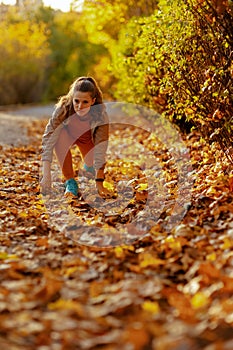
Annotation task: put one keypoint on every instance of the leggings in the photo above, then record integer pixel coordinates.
(63, 152)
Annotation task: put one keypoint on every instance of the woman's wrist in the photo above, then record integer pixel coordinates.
(46, 169)
(99, 174)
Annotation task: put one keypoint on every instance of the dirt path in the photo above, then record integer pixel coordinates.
(13, 122)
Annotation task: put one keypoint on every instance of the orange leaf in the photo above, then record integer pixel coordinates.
(42, 242)
(137, 336)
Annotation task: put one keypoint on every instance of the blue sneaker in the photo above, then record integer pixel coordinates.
(89, 169)
(71, 187)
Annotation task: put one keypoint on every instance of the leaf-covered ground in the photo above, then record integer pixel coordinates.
(166, 291)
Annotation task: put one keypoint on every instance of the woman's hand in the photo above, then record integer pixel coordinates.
(103, 192)
(45, 184)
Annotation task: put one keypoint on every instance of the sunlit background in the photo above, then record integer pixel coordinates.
(56, 4)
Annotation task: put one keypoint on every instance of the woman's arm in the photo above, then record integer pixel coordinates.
(51, 133)
(49, 140)
(45, 182)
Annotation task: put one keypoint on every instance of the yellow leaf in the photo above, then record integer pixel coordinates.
(63, 304)
(23, 214)
(40, 206)
(211, 257)
(152, 307)
(71, 270)
(129, 247)
(199, 300)
(108, 185)
(119, 252)
(169, 239)
(5, 256)
(149, 260)
(176, 246)
(227, 244)
(142, 187)
(173, 244)
(211, 191)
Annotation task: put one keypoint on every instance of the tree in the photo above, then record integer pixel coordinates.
(103, 22)
(23, 60)
(72, 54)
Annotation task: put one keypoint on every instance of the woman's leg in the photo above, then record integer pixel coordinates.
(63, 153)
(87, 152)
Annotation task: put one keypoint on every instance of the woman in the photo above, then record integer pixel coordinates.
(79, 118)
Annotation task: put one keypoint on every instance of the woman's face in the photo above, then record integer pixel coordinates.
(82, 102)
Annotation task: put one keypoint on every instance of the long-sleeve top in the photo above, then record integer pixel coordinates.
(99, 125)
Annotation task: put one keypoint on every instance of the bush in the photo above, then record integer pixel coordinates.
(179, 61)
